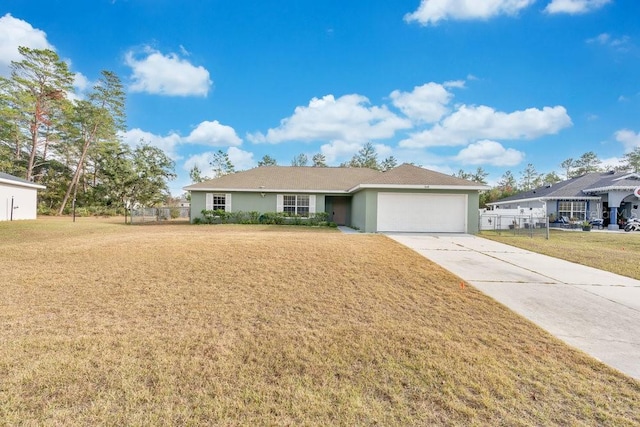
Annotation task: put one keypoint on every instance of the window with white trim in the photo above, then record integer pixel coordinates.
(218, 201)
(573, 209)
(297, 204)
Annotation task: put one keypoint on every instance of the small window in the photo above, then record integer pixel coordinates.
(218, 201)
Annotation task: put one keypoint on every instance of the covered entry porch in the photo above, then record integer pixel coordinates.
(339, 209)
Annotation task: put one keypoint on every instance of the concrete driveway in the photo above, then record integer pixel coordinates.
(590, 309)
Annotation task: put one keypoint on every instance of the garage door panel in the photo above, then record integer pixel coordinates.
(422, 212)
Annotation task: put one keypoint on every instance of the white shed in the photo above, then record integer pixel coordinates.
(18, 198)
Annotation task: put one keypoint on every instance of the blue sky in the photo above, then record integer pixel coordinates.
(446, 84)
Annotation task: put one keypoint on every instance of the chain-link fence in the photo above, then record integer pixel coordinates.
(163, 214)
(533, 224)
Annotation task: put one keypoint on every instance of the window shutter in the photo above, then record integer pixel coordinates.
(279, 203)
(209, 202)
(312, 203)
(227, 202)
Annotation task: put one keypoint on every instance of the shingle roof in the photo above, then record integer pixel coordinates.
(338, 179)
(576, 187)
(18, 181)
(407, 174)
(295, 178)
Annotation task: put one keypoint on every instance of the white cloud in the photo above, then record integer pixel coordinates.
(81, 82)
(81, 85)
(167, 74)
(14, 33)
(383, 151)
(339, 150)
(201, 161)
(213, 134)
(471, 123)
(349, 117)
(206, 133)
(600, 39)
(574, 6)
(459, 84)
(628, 138)
(426, 103)
(168, 143)
(621, 44)
(240, 159)
(488, 152)
(611, 163)
(433, 11)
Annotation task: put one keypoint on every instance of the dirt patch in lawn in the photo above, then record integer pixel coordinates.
(102, 323)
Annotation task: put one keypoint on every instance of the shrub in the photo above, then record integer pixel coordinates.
(217, 216)
(271, 218)
(45, 210)
(254, 217)
(83, 212)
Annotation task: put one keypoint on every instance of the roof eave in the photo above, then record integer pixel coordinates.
(532, 199)
(419, 187)
(610, 188)
(543, 199)
(263, 190)
(22, 184)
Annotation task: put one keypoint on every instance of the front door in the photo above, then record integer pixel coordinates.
(339, 210)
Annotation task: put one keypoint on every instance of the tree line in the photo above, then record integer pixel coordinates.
(366, 157)
(508, 185)
(530, 178)
(70, 143)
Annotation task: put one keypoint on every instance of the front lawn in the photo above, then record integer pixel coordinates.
(614, 252)
(103, 323)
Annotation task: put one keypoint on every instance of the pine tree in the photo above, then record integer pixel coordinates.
(221, 164)
(300, 160)
(319, 161)
(267, 160)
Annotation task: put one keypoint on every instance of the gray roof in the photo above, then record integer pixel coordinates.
(407, 174)
(586, 186)
(5, 177)
(329, 179)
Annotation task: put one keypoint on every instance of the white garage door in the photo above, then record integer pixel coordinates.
(419, 212)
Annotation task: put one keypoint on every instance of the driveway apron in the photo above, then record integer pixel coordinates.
(595, 311)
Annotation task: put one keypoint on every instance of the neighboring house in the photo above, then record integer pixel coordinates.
(603, 195)
(406, 198)
(18, 198)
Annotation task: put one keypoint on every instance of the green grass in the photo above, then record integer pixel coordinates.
(614, 252)
(107, 324)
